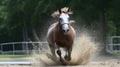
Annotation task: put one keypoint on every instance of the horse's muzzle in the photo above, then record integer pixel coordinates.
(65, 31)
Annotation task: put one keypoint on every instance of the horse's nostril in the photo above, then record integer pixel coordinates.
(63, 30)
(68, 30)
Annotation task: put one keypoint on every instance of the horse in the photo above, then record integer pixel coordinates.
(61, 34)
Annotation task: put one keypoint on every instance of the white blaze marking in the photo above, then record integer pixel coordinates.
(65, 27)
(65, 21)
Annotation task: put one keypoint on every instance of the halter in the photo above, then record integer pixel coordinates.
(65, 23)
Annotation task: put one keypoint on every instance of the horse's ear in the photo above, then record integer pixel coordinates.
(60, 11)
(69, 11)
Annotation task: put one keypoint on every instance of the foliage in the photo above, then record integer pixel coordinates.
(18, 18)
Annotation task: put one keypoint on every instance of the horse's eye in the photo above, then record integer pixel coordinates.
(60, 19)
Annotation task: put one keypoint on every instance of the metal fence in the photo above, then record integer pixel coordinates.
(42, 47)
(114, 45)
(23, 47)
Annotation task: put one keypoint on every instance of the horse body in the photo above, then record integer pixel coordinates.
(55, 35)
(61, 34)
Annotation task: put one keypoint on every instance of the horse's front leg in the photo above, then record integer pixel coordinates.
(61, 59)
(52, 49)
(68, 54)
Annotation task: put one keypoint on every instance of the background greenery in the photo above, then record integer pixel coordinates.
(23, 20)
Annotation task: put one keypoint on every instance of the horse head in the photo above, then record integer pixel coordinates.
(63, 15)
(64, 19)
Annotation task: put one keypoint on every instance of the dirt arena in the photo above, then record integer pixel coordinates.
(96, 61)
(85, 54)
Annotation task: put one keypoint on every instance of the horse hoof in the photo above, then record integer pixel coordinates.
(63, 62)
(67, 58)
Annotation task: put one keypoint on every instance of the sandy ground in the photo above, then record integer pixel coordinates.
(95, 61)
(83, 55)
(101, 61)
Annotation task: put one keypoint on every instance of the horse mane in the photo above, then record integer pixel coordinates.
(64, 10)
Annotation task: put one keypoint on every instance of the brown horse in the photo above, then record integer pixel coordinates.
(61, 34)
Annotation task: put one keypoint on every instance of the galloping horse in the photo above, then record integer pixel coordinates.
(61, 34)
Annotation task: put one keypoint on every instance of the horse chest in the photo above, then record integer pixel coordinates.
(63, 41)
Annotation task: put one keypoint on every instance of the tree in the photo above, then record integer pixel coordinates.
(29, 17)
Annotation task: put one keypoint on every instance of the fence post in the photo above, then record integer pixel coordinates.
(27, 48)
(1, 49)
(13, 48)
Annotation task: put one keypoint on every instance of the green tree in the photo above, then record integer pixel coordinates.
(27, 18)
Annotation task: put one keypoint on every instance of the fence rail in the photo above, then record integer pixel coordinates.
(15, 63)
(113, 47)
(24, 47)
(42, 47)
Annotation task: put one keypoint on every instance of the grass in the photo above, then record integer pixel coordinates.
(13, 56)
(116, 54)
